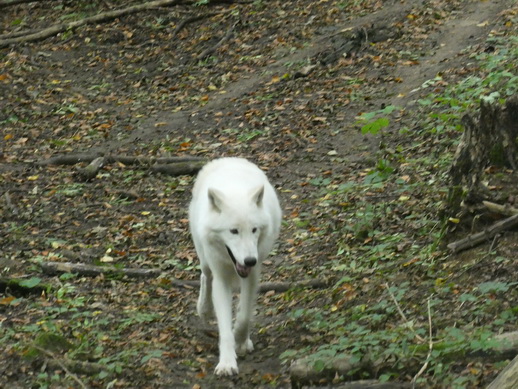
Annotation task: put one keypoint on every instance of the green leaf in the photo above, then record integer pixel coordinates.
(30, 283)
(375, 126)
(493, 286)
(152, 354)
(319, 365)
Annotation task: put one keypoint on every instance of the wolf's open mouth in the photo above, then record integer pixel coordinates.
(242, 271)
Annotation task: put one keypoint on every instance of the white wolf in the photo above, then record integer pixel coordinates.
(234, 219)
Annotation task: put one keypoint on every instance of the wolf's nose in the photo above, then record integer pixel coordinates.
(250, 261)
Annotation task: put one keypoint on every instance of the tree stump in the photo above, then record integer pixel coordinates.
(490, 138)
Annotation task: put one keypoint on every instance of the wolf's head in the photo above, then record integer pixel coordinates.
(240, 226)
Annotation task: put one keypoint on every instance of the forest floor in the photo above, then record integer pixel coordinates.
(352, 109)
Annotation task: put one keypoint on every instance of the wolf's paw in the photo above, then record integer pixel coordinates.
(226, 368)
(245, 347)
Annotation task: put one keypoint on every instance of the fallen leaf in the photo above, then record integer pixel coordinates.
(7, 300)
(106, 259)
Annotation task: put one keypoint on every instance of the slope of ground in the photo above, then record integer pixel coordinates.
(285, 88)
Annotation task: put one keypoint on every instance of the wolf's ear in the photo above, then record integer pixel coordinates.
(258, 195)
(216, 199)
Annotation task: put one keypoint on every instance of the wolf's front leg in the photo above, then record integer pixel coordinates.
(205, 307)
(222, 300)
(245, 312)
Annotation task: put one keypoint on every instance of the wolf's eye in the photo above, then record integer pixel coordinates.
(234, 231)
(254, 230)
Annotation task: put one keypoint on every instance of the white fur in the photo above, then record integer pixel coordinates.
(234, 206)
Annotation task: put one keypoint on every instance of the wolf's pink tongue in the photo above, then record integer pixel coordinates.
(243, 271)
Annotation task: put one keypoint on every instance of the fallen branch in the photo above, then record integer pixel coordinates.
(505, 210)
(93, 271)
(508, 378)
(476, 239)
(143, 161)
(75, 158)
(179, 168)
(8, 3)
(173, 166)
(278, 287)
(69, 159)
(92, 169)
(99, 18)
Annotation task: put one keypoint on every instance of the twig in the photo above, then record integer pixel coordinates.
(207, 52)
(430, 346)
(407, 322)
(62, 365)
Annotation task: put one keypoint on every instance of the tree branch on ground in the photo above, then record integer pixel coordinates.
(99, 18)
(508, 378)
(92, 169)
(74, 158)
(173, 166)
(93, 271)
(484, 236)
(8, 3)
(505, 210)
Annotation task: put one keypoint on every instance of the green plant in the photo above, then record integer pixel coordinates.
(373, 122)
